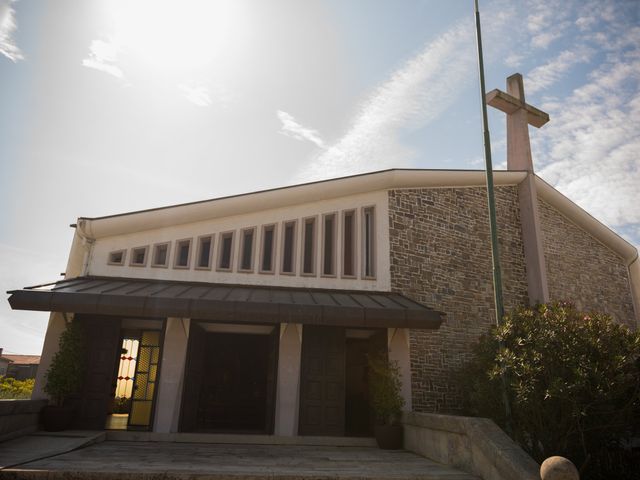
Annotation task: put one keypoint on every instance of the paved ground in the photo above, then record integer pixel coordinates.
(39, 445)
(154, 460)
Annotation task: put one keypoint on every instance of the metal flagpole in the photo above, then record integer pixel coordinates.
(495, 254)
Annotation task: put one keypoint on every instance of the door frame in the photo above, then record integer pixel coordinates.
(138, 331)
(271, 406)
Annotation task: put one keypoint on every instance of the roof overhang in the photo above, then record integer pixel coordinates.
(286, 196)
(226, 303)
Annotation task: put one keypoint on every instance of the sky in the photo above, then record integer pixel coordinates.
(109, 106)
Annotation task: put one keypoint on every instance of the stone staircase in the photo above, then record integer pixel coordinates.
(212, 457)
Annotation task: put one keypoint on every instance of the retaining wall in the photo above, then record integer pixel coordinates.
(19, 417)
(474, 445)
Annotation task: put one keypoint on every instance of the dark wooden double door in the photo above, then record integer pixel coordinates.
(230, 382)
(334, 397)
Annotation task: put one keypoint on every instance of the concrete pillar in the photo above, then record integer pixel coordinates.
(288, 389)
(399, 351)
(535, 265)
(56, 326)
(174, 355)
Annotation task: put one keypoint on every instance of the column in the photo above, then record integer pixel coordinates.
(56, 326)
(399, 351)
(288, 390)
(174, 355)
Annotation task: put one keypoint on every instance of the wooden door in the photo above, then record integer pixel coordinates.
(193, 377)
(233, 395)
(102, 340)
(322, 382)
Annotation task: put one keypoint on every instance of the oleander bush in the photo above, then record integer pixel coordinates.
(572, 382)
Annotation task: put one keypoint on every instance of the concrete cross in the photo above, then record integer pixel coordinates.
(519, 116)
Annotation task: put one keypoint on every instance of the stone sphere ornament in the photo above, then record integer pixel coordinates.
(558, 468)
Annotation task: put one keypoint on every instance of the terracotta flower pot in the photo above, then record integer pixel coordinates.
(389, 437)
(55, 419)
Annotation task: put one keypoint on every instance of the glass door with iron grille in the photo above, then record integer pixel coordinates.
(145, 381)
(135, 381)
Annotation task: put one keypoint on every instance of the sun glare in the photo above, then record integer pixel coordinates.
(186, 34)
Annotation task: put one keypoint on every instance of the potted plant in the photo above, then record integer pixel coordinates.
(386, 401)
(64, 378)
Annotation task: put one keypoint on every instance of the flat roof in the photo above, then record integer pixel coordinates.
(226, 303)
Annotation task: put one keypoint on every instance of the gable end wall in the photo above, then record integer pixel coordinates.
(440, 255)
(582, 270)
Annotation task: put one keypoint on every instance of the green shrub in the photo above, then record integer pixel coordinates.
(573, 382)
(66, 374)
(10, 388)
(384, 389)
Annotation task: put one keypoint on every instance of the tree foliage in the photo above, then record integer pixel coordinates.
(385, 386)
(10, 388)
(66, 373)
(573, 381)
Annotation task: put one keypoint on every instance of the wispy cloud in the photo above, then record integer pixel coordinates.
(103, 56)
(546, 75)
(591, 149)
(291, 128)
(513, 60)
(546, 21)
(414, 95)
(196, 94)
(592, 153)
(8, 25)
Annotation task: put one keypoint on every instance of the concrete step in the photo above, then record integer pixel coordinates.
(239, 439)
(40, 445)
(208, 461)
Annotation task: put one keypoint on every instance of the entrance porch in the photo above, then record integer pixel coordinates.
(220, 358)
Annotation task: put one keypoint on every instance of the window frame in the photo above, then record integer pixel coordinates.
(372, 246)
(354, 244)
(314, 247)
(133, 256)
(274, 248)
(334, 245)
(221, 237)
(153, 255)
(122, 262)
(199, 240)
(251, 268)
(176, 254)
(294, 247)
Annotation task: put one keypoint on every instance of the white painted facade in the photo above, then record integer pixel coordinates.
(98, 261)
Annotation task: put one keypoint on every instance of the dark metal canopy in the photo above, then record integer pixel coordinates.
(226, 303)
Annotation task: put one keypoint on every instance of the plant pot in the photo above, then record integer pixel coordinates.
(55, 419)
(389, 437)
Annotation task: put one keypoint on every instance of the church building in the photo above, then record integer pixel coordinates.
(255, 313)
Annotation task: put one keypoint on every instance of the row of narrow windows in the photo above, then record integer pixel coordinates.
(158, 254)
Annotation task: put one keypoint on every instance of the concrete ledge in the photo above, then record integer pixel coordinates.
(19, 417)
(239, 439)
(39, 445)
(474, 445)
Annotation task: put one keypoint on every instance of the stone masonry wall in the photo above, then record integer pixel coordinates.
(582, 270)
(440, 255)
